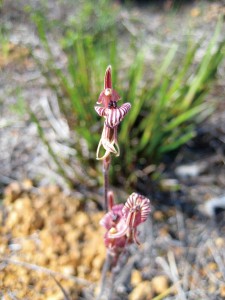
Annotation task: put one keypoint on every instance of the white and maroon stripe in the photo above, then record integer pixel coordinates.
(115, 115)
(124, 109)
(137, 201)
(101, 111)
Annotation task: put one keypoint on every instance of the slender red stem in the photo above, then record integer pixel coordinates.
(106, 164)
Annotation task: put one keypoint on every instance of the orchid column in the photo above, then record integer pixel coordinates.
(113, 115)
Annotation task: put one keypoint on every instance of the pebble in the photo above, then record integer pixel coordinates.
(169, 185)
(190, 171)
(68, 240)
(136, 277)
(160, 284)
(143, 291)
(222, 291)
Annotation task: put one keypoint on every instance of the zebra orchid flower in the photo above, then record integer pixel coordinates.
(135, 211)
(122, 221)
(113, 221)
(113, 115)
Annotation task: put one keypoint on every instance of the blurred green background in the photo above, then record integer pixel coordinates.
(167, 83)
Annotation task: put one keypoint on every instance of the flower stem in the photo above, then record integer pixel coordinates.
(106, 164)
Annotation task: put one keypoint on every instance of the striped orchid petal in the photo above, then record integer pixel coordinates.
(136, 209)
(115, 115)
(101, 111)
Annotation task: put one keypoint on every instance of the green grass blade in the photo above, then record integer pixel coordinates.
(184, 117)
(179, 142)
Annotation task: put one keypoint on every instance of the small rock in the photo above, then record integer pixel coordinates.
(143, 291)
(27, 184)
(209, 208)
(222, 291)
(190, 171)
(164, 232)
(12, 192)
(81, 219)
(160, 284)
(220, 242)
(57, 296)
(169, 185)
(212, 266)
(82, 271)
(97, 262)
(74, 255)
(3, 249)
(136, 277)
(219, 275)
(95, 275)
(15, 247)
(51, 190)
(67, 270)
(195, 12)
(212, 288)
(158, 215)
(12, 219)
(23, 204)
